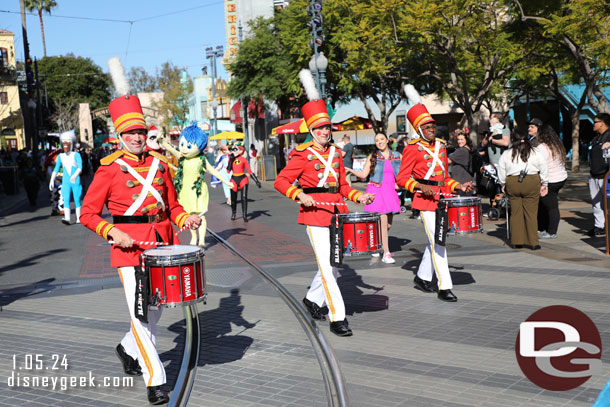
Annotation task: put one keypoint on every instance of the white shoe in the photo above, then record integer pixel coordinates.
(375, 255)
(387, 258)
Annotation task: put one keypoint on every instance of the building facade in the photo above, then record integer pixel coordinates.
(12, 134)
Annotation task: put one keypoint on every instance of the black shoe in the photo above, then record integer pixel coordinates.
(233, 216)
(130, 365)
(423, 285)
(245, 219)
(515, 246)
(314, 309)
(536, 247)
(446, 295)
(597, 232)
(65, 222)
(340, 328)
(157, 396)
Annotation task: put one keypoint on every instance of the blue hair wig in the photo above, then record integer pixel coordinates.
(195, 135)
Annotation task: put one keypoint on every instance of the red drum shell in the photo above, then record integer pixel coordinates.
(361, 233)
(465, 215)
(176, 274)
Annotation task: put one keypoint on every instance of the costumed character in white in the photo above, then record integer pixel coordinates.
(72, 165)
(189, 181)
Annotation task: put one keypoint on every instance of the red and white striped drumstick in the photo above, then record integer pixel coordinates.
(441, 193)
(331, 203)
(142, 243)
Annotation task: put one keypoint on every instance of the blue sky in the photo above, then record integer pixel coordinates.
(162, 31)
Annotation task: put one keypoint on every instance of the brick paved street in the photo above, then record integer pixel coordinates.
(59, 296)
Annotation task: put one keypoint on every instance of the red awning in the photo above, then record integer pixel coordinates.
(236, 110)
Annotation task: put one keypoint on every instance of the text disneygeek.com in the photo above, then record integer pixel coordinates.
(26, 366)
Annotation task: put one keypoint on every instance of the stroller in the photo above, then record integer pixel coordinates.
(498, 201)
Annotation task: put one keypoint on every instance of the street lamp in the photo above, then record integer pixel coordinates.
(318, 66)
(211, 53)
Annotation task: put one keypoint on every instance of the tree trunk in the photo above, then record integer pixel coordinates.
(44, 44)
(575, 119)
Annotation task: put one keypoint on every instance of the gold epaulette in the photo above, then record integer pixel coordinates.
(109, 159)
(304, 146)
(160, 156)
(415, 141)
(441, 140)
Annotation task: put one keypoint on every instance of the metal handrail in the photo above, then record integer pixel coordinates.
(336, 392)
(190, 357)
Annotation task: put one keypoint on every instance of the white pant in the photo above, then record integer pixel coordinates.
(140, 341)
(435, 256)
(596, 189)
(324, 288)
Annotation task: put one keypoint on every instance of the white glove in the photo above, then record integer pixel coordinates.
(52, 183)
(75, 175)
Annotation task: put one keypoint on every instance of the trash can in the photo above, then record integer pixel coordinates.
(8, 177)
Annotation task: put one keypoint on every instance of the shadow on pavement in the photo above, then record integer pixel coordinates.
(34, 219)
(256, 214)
(355, 300)
(457, 277)
(31, 261)
(16, 293)
(217, 344)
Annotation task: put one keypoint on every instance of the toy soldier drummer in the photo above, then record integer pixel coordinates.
(138, 191)
(319, 168)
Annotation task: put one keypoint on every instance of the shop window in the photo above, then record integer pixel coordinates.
(3, 58)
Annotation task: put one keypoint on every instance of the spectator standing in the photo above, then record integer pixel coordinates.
(348, 158)
(533, 128)
(384, 164)
(524, 176)
(254, 159)
(221, 165)
(548, 211)
(498, 140)
(598, 170)
(461, 160)
(31, 176)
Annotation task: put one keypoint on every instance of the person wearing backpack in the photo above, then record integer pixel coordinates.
(461, 160)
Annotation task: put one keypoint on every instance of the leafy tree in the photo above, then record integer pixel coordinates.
(577, 41)
(469, 49)
(263, 68)
(176, 87)
(142, 81)
(41, 6)
(71, 80)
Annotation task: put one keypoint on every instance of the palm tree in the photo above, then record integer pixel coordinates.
(40, 6)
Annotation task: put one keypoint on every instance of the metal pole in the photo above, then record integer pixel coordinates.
(243, 101)
(214, 91)
(190, 358)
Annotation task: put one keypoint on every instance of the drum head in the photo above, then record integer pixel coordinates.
(462, 201)
(170, 255)
(355, 217)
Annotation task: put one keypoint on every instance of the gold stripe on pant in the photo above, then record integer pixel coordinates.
(523, 198)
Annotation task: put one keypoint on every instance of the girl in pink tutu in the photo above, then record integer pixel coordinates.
(383, 165)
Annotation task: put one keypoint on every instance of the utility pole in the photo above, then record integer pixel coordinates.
(244, 101)
(28, 107)
(213, 54)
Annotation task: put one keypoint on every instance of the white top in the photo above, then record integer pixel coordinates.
(557, 168)
(536, 164)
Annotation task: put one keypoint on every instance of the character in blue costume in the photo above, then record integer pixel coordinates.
(72, 165)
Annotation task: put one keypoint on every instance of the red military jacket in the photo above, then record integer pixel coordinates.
(116, 188)
(309, 170)
(416, 162)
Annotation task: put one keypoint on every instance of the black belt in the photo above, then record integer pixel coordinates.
(329, 190)
(428, 182)
(139, 219)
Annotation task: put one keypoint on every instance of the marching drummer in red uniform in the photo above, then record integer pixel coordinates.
(424, 171)
(318, 167)
(138, 191)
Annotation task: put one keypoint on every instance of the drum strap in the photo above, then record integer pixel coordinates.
(146, 185)
(435, 159)
(328, 164)
(440, 224)
(336, 242)
(140, 309)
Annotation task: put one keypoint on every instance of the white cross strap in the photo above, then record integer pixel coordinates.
(328, 165)
(435, 159)
(146, 185)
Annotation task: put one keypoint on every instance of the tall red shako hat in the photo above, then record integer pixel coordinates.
(417, 114)
(125, 110)
(314, 111)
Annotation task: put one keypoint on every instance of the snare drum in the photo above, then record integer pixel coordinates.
(177, 275)
(357, 233)
(464, 215)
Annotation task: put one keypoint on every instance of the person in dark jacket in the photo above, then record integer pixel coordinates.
(598, 169)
